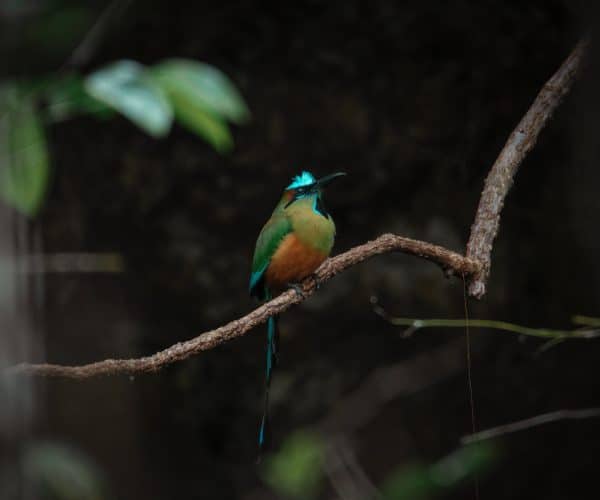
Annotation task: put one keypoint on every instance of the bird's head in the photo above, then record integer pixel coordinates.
(305, 185)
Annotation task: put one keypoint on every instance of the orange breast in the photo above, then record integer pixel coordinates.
(292, 262)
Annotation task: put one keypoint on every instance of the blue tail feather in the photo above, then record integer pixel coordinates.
(272, 340)
(271, 332)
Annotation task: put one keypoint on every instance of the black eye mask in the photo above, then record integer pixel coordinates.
(319, 207)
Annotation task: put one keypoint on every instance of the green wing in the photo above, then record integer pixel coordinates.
(277, 227)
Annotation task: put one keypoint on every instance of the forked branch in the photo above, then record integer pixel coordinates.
(500, 179)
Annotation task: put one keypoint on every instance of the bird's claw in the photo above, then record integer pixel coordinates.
(316, 281)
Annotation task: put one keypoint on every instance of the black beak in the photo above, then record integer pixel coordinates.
(327, 179)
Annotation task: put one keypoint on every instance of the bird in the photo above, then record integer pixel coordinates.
(292, 244)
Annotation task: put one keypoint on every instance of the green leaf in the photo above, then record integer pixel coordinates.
(412, 482)
(67, 97)
(297, 469)
(199, 121)
(24, 165)
(418, 481)
(126, 87)
(203, 86)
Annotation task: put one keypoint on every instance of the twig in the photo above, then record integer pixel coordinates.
(520, 425)
(93, 37)
(388, 383)
(347, 476)
(415, 324)
(499, 180)
(183, 350)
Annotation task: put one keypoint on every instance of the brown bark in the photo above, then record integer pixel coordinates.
(386, 243)
(500, 179)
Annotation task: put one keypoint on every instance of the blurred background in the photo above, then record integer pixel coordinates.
(142, 147)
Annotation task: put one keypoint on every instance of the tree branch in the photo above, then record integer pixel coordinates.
(545, 418)
(500, 179)
(475, 266)
(386, 243)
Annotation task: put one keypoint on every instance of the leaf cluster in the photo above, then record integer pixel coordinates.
(196, 95)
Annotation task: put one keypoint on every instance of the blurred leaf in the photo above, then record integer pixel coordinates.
(463, 463)
(203, 86)
(423, 481)
(410, 483)
(297, 469)
(62, 473)
(211, 128)
(126, 87)
(67, 97)
(24, 166)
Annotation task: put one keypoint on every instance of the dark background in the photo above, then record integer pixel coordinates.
(413, 100)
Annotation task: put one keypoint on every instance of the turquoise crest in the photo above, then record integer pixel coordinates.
(304, 179)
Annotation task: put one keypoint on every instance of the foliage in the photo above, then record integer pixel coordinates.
(423, 481)
(197, 95)
(23, 151)
(297, 470)
(202, 98)
(62, 473)
(126, 87)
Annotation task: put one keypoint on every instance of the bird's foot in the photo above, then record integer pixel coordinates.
(316, 281)
(298, 289)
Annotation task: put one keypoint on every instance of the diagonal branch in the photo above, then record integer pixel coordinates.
(475, 266)
(386, 243)
(500, 179)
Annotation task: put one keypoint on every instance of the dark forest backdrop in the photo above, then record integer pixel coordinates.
(413, 100)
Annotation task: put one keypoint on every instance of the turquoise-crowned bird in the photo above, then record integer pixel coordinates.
(293, 243)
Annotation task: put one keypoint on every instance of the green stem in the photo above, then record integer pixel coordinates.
(494, 325)
(579, 319)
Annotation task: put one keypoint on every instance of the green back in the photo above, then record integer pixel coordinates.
(276, 228)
